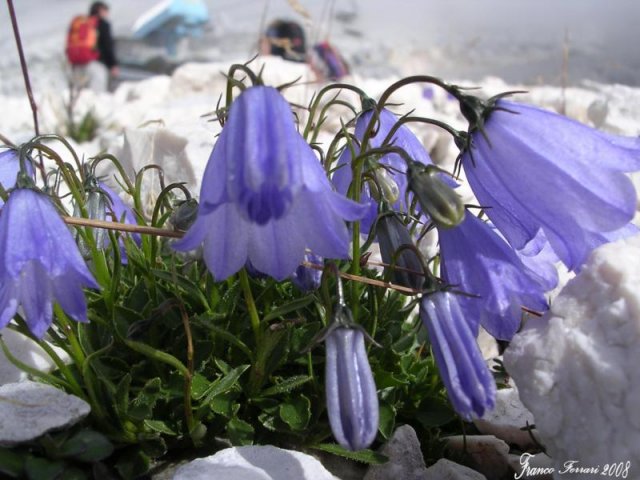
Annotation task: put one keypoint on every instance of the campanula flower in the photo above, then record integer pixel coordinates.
(404, 139)
(308, 279)
(352, 399)
(469, 383)
(39, 263)
(392, 235)
(479, 262)
(535, 170)
(265, 197)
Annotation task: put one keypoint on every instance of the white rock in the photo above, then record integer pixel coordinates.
(507, 419)
(405, 458)
(445, 469)
(577, 367)
(29, 410)
(488, 454)
(255, 463)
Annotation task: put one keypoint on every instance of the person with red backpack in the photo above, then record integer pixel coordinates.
(91, 49)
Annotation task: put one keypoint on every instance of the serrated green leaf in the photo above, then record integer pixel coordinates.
(387, 419)
(159, 426)
(142, 406)
(87, 446)
(286, 385)
(296, 412)
(287, 308)
(240, 432)
(224, 384)
(364, 456)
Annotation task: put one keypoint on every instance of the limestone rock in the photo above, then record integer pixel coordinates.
(577, 367)
(255, 463)
(488, 454)
(29, 410)
(405, 458)
(445, 469)
(507, 419)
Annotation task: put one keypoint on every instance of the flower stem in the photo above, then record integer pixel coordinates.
(251, 305)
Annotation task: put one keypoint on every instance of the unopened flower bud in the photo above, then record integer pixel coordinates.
(438, 200)
(352, 399)
(388, 186)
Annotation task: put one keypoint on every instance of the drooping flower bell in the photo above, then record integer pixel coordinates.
(265, 196)
(469, 383)
(537, 171)
(39, 263)
(396, 166)
(393, 238)
(308, 279)
(352, 398)
(477, 261)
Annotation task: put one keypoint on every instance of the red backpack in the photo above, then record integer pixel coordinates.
(82, 40)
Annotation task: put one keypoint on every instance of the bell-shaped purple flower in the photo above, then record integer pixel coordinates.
(537, 170)
(404, 139)
(352, 398)
(477, 261)
(265, 197)
(308, 279)
(469, 383)
(393, 237)
(39, 263)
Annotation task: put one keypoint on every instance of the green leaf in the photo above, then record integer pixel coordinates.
(41, 469)
(286, 385)
(240, 432)
(11, 463)
(133, 463)
(122, 395)
(387, 419)
(224, 384)
(287, 308)
(364, 456)
(296, 412)
(159, 426)
(142, 405)
(87, 446)
(199, 385)
(224, 405)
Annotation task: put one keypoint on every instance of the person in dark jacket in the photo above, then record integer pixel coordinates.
(102, 80)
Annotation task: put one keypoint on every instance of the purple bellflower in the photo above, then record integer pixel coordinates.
(469, 383)
(265, 197)
(404, 139)
(352, 399)
(393, 236)
(539, 171)
(479, 262)
(39, 263)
